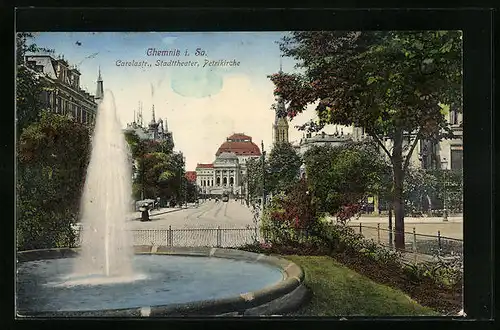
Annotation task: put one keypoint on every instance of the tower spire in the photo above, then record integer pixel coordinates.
(100, 90)
(153, 120)
(281, 64)
(140, 113)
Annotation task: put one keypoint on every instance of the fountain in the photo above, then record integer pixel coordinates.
(106, 245)
(109, 276)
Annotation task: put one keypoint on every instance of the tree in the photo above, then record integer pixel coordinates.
(284, 166)
(253, 177)
(420, 186)
(53, 155)
(426, 189)
(344, 176)
(160, 175)
(318, 161)
(29, 86)
(396, 85)
(159, 171)
(191, 191)
(154, 169)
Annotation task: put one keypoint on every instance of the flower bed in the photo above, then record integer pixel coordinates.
(434, 284)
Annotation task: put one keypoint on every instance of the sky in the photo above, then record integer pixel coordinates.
(202, 105)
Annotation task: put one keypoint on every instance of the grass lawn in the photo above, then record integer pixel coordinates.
(340, 291)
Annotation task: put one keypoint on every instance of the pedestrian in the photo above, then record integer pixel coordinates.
(144, 212)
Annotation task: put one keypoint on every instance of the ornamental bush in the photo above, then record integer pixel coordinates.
(289, 217)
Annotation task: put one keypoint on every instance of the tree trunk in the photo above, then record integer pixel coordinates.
(398, 201)
(391, 239)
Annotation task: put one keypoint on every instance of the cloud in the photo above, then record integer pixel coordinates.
(197, 83)
(168, 40)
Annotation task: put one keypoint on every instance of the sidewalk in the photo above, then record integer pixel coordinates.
(385, 219)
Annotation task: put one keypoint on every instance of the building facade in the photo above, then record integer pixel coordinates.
(154, 130)
(445, 154)
(227, 171)
(63, 93)
(322, 139)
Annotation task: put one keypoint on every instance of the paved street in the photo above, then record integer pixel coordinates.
(208, 215)
(197, 226)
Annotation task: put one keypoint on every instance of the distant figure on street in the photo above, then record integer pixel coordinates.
(144, 212)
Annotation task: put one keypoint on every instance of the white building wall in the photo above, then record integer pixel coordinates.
(444, 147)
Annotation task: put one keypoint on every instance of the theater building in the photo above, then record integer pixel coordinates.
(227, 171)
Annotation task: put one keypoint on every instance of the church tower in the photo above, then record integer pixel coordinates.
(99, 95)
(280, 126)
(153, 126)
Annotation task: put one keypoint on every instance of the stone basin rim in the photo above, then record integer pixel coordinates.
(293, 277)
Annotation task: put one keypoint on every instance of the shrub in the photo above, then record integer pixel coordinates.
(289, 218)
(442, 272)
(39, 229)
(347, 212)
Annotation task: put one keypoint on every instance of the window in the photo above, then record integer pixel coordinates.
(58, 105)
(456, 157)
(454, 117)
(76, 111)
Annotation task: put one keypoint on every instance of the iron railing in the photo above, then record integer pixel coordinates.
(420, 246)
(193, 237)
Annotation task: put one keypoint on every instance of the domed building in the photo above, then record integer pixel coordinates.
(226, 173)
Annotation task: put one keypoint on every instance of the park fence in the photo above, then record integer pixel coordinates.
(194, 237)
(419, 247)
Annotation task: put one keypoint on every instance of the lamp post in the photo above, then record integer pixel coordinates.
(302, 171)
(180, 188)
(263, 175)
(185, 181)
(444, 162)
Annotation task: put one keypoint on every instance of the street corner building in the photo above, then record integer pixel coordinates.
(225, 174)
(62, 93)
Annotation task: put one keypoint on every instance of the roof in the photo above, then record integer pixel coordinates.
(205, 166)
(327, 138)
(240, 136)
(239, 144)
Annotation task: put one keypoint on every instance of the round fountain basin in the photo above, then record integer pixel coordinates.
(166, 281)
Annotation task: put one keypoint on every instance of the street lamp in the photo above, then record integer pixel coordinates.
(444, 164)
(263, 176)
(185, 181)
(302, 171)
